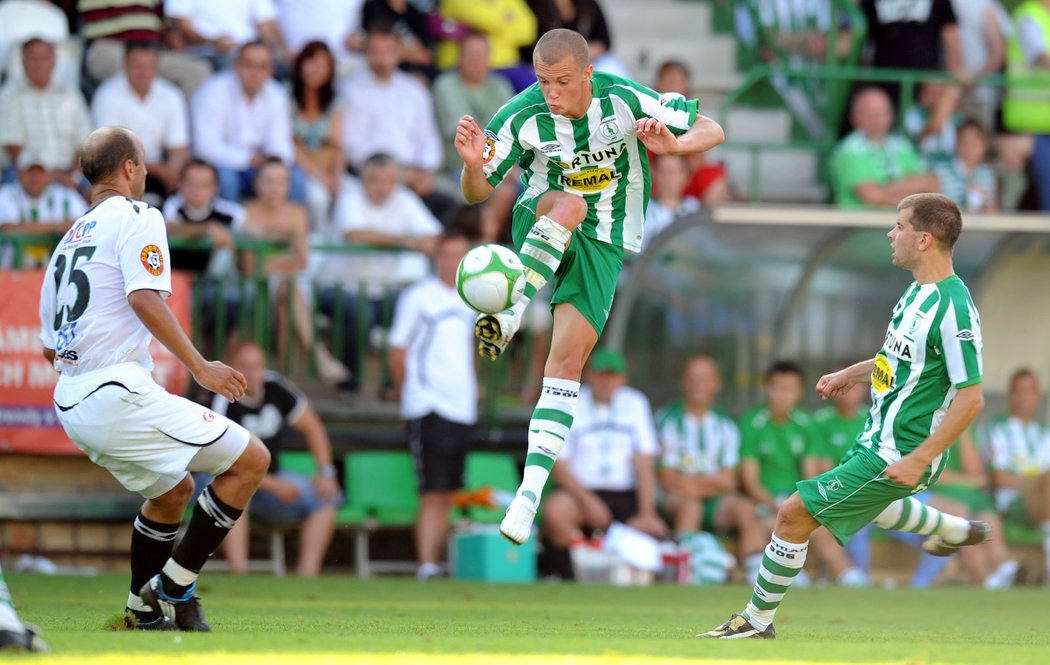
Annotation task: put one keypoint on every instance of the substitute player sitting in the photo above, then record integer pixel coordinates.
(925, 391)
(100, 305)
(580, 137)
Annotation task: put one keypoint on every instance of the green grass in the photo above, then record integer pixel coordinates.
(342, 619)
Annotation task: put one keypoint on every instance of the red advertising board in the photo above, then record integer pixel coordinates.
(28, 423)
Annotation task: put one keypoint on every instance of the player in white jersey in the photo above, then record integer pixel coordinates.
(580, 137)
(101, 303)
(925, 391)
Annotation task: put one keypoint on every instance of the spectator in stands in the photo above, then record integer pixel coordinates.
(962, 489)
(109, 26)
(913, 35)
(585, 17)
(777, 440)
(699, 457)
(388, 111)
(969, 179)
(379, 213)
(152, 108)
(197, 212)
(36, 204)
(508, 25)
(433, 373)
(240, 118)
(1020, 452)
(411, 24)
(707, 182)
(871, 166)
(983, 29)
(606, 472)
(215, 30)
(469, 89)
(933, 122)
(317, 126)
(270, 405)
(272, 217)
(669, 200)
(43, 116)
(334, 22)
(1026, 106)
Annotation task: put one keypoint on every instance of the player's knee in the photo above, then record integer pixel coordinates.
(793, 516)
(575, 208)
(255, 459)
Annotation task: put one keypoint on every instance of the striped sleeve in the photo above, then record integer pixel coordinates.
(672, 109)
(960, 342)
(647, 444)
(730, 444)
(999, 446)
(663, 438)
(502, 148)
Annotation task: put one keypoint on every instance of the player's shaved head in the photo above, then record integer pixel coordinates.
(105, 151)
(558, 44)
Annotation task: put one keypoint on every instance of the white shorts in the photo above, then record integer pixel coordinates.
(142, 434)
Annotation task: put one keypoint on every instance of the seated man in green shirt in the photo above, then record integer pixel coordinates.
(872, 166)
(776, 440)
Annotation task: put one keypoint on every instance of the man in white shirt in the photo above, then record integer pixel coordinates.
(606, 471)
(378, 213)
(214, 29)
(100, 307)
(386, 110)
(151, 107)
(432, 365)
(41, 115)
(1020, 450)
(241, 117)
(36, 204)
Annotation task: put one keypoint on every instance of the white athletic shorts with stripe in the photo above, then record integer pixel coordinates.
(142, 434)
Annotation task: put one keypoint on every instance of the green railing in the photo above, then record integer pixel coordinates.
(247, 299)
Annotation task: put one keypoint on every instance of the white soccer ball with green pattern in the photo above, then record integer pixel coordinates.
(490, 278)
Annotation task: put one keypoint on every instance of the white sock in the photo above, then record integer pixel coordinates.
(178, 574)
(8, 619)
(781, 565)
(135, 603)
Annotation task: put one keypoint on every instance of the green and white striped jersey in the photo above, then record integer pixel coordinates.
(692, 446)
(1019, 447)
(597, 157)
(932, 348)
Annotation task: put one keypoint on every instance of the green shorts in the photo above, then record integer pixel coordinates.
(974, 499)
(589, 270)
(848, 497)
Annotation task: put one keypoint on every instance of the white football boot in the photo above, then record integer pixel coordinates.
(517, 523)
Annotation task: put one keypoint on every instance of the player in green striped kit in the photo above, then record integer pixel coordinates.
(925, 390)
(580, 137)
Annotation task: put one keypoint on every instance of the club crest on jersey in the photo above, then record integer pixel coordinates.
(208, 416)
(490, 147)
(609, 131)
(882, 375)
(589, 180)
(152, 260)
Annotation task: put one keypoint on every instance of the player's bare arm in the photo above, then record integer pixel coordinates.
(49, 355)
(158, 318)
(839, 382)
(963, 410)
(470, 145)
(703, 135)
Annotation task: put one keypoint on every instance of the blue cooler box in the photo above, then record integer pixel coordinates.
(483, 554)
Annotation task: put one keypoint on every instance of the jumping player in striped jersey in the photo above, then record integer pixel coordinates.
(925, 391)
(580, 137)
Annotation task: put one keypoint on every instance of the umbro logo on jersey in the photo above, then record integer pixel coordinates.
(550, 148)
(965, 335)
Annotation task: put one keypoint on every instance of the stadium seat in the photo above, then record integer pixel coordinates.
(381, 492)
(495, 470)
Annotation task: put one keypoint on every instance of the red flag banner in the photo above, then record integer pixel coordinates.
(28, 423)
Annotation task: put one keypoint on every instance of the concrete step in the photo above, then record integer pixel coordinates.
(758, 125)
(714, 55)
(787, 176)
(657, 19)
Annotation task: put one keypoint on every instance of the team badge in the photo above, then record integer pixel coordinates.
(152, 260)
(490, 147)
(208, 416)
(609, 130)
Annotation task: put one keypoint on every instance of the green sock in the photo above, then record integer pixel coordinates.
(911, 515)
(781, 564)
(548, 430)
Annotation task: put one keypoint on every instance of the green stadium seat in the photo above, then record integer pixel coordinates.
(1021, 534)
(496, 470)
(299, 461)
(381, 492)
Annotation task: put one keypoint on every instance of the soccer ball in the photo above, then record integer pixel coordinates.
(490, 278)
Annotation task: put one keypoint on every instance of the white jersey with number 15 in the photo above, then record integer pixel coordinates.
(117, 247)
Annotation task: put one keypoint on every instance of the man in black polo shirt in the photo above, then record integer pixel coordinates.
(270, 404)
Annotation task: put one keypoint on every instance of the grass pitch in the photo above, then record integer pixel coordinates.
(339, 619)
